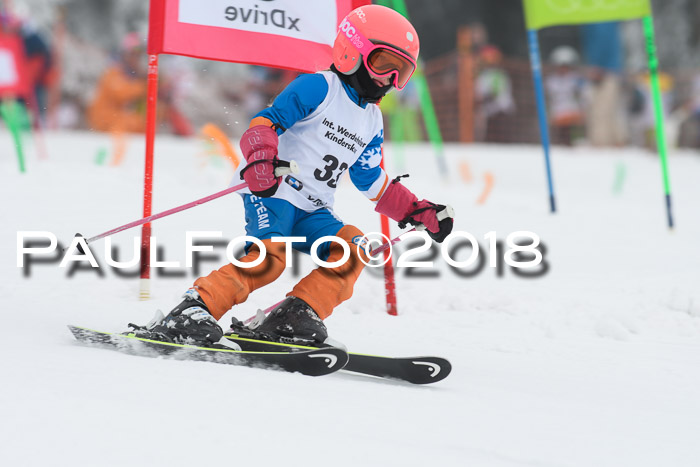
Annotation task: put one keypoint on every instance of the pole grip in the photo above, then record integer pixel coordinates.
(445, 213)
(284, 168)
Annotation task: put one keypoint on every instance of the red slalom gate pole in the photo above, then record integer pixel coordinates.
(389, 278)
(151, 107)
(389, 281)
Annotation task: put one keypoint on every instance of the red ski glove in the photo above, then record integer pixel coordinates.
(400, 204)
(259, 146)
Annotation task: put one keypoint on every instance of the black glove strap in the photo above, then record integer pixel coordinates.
(445, 225)
(409, 218)
(275, 164)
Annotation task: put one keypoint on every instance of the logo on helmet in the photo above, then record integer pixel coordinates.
(351, 33)
(347, 28)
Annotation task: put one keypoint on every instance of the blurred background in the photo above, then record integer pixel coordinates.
(592, 358)
(87, 61)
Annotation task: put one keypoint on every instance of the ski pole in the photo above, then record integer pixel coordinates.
(279, 171)
(444, 214)
(392, 242)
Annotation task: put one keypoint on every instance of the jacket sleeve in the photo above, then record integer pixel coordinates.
(366, 173)
(297, 101)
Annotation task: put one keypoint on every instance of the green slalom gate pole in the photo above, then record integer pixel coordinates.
(9, 111)
(426, 101)
(648, 22)
(620, 175)
(101, 156)
(430, 119)
(396, 124)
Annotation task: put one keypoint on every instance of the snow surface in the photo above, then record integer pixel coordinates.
(597, 363)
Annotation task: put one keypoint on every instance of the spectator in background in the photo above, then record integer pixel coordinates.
(40, 66)
(689, 130)
(493, 96)
(479, 38)
(402, 110)
(40, 70)
(564, 95)
(174, 89)
(603, 52)
(263, 85)
(255, 96)
(119, 105)
(120, 99)
(643, 122)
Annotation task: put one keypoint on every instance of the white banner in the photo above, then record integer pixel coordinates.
(311, 20)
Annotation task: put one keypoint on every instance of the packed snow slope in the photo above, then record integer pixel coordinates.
(595, 362)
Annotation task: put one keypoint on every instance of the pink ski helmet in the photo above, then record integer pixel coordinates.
(380, 37)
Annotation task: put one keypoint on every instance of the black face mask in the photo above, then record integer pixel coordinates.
(361, 82)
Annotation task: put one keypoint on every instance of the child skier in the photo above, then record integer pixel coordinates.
(328, 123)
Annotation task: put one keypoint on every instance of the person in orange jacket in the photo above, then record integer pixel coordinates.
(119, 103)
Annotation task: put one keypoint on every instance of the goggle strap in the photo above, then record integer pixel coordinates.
(356, 38)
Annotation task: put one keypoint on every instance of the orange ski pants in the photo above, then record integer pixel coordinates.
(323, 289)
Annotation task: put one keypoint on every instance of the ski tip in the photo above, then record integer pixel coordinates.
(75, 330)
(84, 335)
(429, 370)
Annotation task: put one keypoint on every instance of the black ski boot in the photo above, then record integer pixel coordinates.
(293, 322)
(188, 323)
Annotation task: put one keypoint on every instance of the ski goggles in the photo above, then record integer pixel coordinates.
(379, 59)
